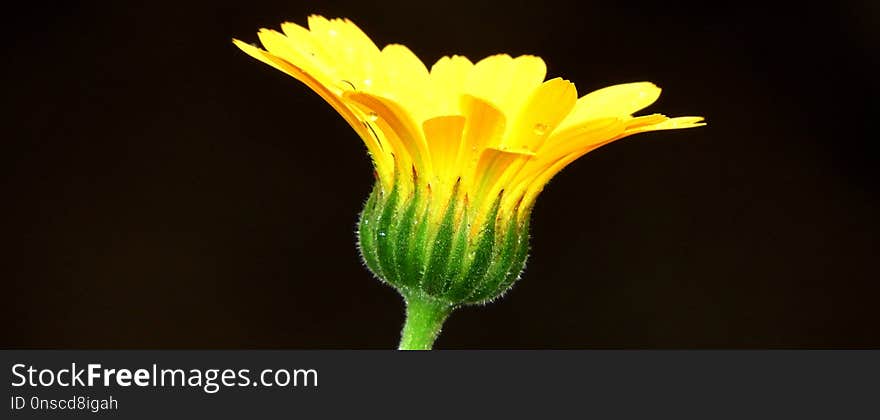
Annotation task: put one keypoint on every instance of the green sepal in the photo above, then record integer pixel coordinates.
(435, 276)
(385, 238)
(457, 257)
(401, 234)
(413, 265)
(367, 235)
(507, 265)
(479, 259)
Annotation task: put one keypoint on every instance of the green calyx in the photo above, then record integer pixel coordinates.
(433, 255)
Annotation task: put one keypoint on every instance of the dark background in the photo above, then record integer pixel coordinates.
(164, 190)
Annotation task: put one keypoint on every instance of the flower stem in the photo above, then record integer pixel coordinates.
(424, 319)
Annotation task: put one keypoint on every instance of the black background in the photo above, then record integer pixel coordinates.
(164, 190)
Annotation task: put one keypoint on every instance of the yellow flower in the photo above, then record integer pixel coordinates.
(496, 125)
(464, 145)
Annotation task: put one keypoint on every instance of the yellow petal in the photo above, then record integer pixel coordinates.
(444, 137)
(403, 134)
(591, 136)
(363, 57)
(328, 35)
(401, 62)
(495, 168)
(546, 107)
(613, 101)
(484, 127)
(528, 73)
(281, 46)
(645, 120)
(337, 48)
(267, 58)
(490, 78)
(668, 124)
(506, 82)
(310, 52)
(582, 137)
(561, 150)
(448, 77)
(407, 79)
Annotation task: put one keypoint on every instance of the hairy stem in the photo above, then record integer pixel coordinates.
(424, 319)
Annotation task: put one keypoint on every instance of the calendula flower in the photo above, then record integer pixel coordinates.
(461, 151)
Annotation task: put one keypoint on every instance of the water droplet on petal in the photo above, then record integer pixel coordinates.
(368, 82)
(540, 129)
(372, 116)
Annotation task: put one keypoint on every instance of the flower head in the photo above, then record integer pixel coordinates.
(461, 150)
